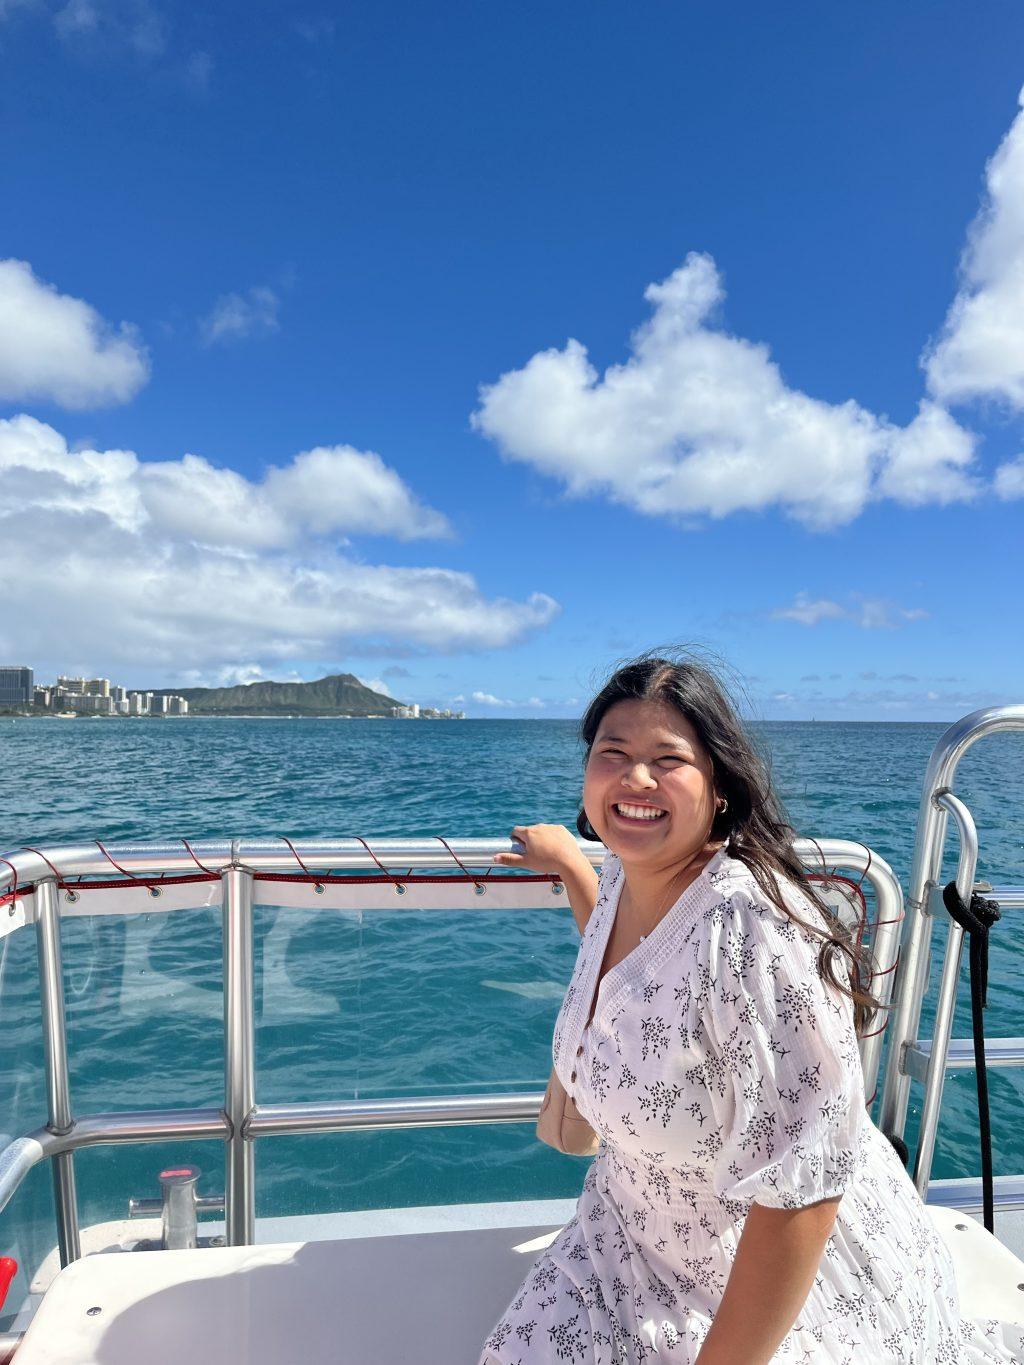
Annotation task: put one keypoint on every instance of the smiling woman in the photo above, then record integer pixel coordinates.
(668, 728)
(742, 1205)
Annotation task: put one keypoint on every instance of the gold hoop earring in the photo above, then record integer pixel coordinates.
(724, 806)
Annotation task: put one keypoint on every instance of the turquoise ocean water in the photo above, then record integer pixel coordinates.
(402, 1002)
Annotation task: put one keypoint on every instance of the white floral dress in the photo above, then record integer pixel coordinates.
(720, 1070)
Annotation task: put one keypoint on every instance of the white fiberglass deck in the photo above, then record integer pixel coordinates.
(428, 1296)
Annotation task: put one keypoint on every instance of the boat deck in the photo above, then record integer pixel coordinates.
(431, 1295)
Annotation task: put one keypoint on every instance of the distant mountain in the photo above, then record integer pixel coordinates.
(341, 694)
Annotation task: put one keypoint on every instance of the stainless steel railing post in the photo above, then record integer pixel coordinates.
(239, 1056)
(946, 1003)
(912, 979)
(885, 949)
(55, 1045)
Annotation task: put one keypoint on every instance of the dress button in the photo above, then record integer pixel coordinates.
(579, 1050)
(573, 1076)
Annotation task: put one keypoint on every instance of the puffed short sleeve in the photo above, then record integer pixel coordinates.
(790, 1108)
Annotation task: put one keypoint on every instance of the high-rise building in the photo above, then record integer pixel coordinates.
(177, 706)
(70, 685)
(89, 704)
(160, 705)
(17, 685)
(98, 687)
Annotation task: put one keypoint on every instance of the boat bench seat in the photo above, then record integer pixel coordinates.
(429, 1297)
(988, 1275)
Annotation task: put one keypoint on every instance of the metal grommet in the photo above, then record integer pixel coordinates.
(960, 1227)
(93, 1312)
(399, 889)
(479, 889)
(71, 896)
(557, 888)
(154, 891)
(319, 888)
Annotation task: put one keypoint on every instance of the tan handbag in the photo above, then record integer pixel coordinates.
(561, 1125)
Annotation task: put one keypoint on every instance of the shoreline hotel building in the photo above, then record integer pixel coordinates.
(16, 685)
(88, 696)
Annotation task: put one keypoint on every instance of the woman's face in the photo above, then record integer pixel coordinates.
(648, 789)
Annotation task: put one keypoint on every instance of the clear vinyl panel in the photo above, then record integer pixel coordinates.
(145, 1028)
(27, 1224)
(349, 1004)
(372, 1004)
(143, 1003)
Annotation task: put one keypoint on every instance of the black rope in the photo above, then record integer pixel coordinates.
(902, 1150)
(976, 919)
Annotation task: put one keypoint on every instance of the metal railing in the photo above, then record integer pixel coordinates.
(229, 873)
(909, 1056)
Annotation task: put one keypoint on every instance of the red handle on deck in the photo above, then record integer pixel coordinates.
(8, 1270)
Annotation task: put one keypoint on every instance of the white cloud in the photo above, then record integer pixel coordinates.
(235, 317)
(236, 675)
(7, 7)
(809, 611)
(76, 17)
(929, 461)
(489, 699)
(870, 613)
(58, 348)
(327, 492)
(700, 422)
(334, 486)
(980, 352)
(317, 30)
(1009, 480)
(875, 613)
(189, 566)
(198, 71)
(135, 25)
(109, 25)
(331, 490)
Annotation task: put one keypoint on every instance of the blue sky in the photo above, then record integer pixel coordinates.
(324, 346)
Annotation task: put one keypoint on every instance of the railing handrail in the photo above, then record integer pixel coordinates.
(232, 864)
(262, 855)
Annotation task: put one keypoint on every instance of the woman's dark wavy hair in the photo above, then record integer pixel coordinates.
(754, 823)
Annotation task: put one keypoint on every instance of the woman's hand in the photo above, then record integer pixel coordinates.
(546, 848)
(552, 849)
